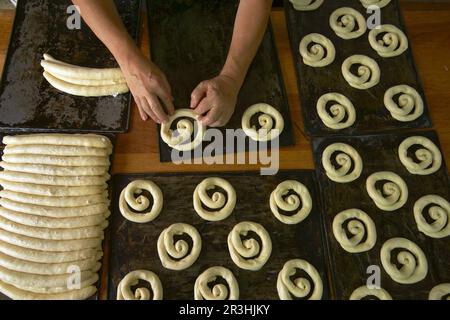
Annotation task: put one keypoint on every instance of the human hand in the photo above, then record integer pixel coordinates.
(214, 100)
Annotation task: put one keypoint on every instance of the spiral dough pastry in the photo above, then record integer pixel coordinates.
(317, 50)
(175, 255)
(141, 203)
(393, 41)
(409, 106)
(306, 5)
(219, 291)
(439, 214)
(348, 23)
(268, 131)
(378, 3)
(428, 155)
(124, 291)
(440, 292)
(281, 199)
(180, 139)
(364, 292)
(249, 254)
(368, 72)
(217, 201)
(346, 158)
(359, 225)
(340, 115)
(394, 193)
(414, 265)
(300, 287)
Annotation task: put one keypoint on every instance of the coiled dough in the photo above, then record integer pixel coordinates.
(394, 192)
(124, 291)
(438, 223)
(348, 23)
(439, 292)
(347, 158)
(219, 291)
(364, 291)
(368, 72)
(306, 5)
(378, 3)
(428, 155)
(409, 106)
(392, 43)
(268, 130)
(340, 115)
(317, 50)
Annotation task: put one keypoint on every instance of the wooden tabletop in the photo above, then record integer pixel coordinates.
(429, 33)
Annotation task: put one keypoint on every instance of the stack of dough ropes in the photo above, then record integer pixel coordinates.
(53, 211)
(83, 81)
(348, 23)
(268, 131)
(300, 287)
(437, 224)
(125, 292)
(340, 115)
(298, 204)
(393, 41)
(368, 72)
(189, 131)
(365, 292)
(317, 50)
(394, 191)
(140, 203)
(207, 288)
(219, 206)
(428, 155)
(409, 106)
(378, 3)
(342, 163)
(306, 5)
(411, 266)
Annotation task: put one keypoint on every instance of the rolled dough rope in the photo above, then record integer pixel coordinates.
(180, 139)
(378, 3)
(348, 23)
(394, 193)
(52, 223)
(317, 50)
(392, 43)
(124, 291)
(413, 262)
(60, 139)
(300, 287)
(53, 290)
(346, 158)
(53, 234)
(54, 201)
(55, 212)
(140, 203)
(56, 161)
(24, 266)
(409, 106)
(360, 227)
(364, 292)
(281, 198)
(219, 206)
(429, 156)
(45, 149)
(267, 130)
(340, 115)
(368, 72)
(247, 254)
(55, 170)
(437, 224)
(19, 294)
(53, 180)
(218, 291)
(306, 5)
(52, 191)
(49, 257)
(439, 292)
(49, 245)
(175, 255)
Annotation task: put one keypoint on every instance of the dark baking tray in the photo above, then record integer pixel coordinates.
(190, 39)
(379, 153)
(103, 270)
(27, 101)
(133, 246)
(314, 82)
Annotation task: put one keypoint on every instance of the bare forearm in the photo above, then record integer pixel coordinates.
(249, 29)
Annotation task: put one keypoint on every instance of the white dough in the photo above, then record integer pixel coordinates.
(341, 114)
(346, 157)
(439, 212)
(54, 180)
(55, 170)
(268, 130)
(394, 192)
(46, 149)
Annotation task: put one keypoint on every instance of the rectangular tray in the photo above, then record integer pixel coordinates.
(189, 42)
(379, 153)
(133, 246)
(371, 114)
(27, 101)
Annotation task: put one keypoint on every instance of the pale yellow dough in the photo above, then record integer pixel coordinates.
(55, 170)
(60, 139)
(439, 292)
(124, 291)
(269, 130)
(348, 23)
(428, 155)
(409, 105)
(317, 50)
(203, 291)
(306, 5)
(346, 157)
(52, 191)
(378, 3)
(341, 114)
(364, 291)
(368, 72)
(437, 224)
(394, 192)
(392, 43)
(65, 151)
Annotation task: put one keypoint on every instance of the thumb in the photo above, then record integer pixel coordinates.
(197, 95)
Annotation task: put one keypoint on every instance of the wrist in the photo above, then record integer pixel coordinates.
(125, 53)
(235, 73)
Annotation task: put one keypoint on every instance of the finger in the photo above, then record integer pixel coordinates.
(197, 95)
(148, 110)
(204, 106)
(142, 113)
(212, 116)
(155, 105)
(219, 123)
(166, 99)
